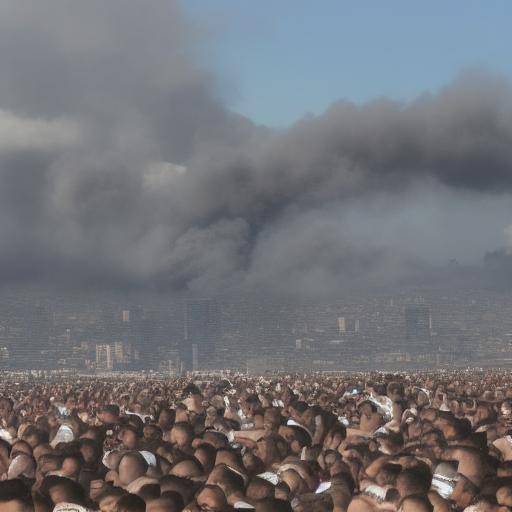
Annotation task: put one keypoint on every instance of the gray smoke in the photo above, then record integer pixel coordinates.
(120, 167)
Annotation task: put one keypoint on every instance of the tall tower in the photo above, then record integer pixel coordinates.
(202, 333)
(418, 328)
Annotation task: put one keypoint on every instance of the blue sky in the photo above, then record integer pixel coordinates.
(277, 60)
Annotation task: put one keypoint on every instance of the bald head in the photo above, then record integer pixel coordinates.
(168, 502)
(259, 488)
(189, 468)
(131, 467)
(212, 498)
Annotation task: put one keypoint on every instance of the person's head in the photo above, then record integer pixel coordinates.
(273, 505)
(107, 500)
(272, 419)
(42, 449)
(250, 405)
(6, 406)
(131, 503)
(129, 437)
(367, 408)
(166, 419)
(212, 499)
(72, 465)
(282, 491)
(90, 450)
(504, 495)
(35, 436)
(412, 481)
(268, 450)
(416, 504)
(390, 443)
(63, 490)
(132, 466)
(484, 415)
(184, 487)
(48, 463)
(109, 414)
(296, 437)
(506, 408)
(294, 481)
(182, 434)
(205, 453)
(93, 433)
(216, 439)
(298, 409)
(395, 391)
(21, 465)
(20, 447)
(388, 474)
(151, 433)
(149, 492)
(15, 505)
(253, 464)
(260, 488)
(464, 491)
(169, 501)
(335, 437)
(15, 496)
(188, 468)
(228, 480)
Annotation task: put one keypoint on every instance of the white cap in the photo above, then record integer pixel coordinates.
(63, 435)
(69, 507)
(150, 457)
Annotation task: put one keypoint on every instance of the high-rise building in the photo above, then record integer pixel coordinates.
(418, 327)
(348, 325)
(104, 357)
(202, 333)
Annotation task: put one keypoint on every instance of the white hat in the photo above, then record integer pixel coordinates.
(69, 507)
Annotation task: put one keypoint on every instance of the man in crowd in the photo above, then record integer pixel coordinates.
(361, 443)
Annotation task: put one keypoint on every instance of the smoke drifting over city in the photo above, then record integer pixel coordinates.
(121, 167)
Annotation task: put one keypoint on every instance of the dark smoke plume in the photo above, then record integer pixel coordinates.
(120, 167)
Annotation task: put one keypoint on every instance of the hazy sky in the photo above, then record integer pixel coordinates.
(283, 58)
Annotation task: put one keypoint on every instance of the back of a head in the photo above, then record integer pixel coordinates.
(111, 492)
(225, 477)
(15, 496)
(16, 505)
(273, 505)
(132, 466)
(171, 483)
(412, 481)
(112, 409)
(259, 488)
(416, 504)
(188, 468)
(131, 503)
(62, 490)
(149, 492)
(170, 501)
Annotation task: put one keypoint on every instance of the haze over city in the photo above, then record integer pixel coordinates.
(255, 255)
(228, 152)
(122, 165)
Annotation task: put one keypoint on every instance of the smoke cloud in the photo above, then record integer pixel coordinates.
(120, 167)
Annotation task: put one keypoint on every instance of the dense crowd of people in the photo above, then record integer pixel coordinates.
(306, 443)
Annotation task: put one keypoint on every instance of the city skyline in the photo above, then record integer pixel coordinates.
(173, 336)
